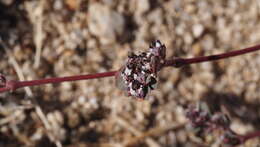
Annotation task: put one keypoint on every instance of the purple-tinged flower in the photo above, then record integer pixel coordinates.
(2, 81)
(220, 120)
(203, 122)
(199, 116)
(139, 75)
(231, 138)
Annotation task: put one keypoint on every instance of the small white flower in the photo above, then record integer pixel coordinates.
(132, 92)
(128, 71)
(135, 76)
(147, 66)
(158, 44)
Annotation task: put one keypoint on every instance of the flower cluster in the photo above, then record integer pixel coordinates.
(139, 75)
(2, 80)
(203, 122)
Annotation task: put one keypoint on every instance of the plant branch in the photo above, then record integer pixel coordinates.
(13, 85)
(249, 136)
(178, 62)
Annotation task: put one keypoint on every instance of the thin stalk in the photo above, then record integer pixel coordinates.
(178, 62)
(13, 85)
(250, 136)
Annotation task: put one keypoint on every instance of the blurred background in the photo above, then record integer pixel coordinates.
(53, 38)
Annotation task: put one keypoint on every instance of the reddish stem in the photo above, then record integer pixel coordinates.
(250, 136)
(13, 85)
(178, 62)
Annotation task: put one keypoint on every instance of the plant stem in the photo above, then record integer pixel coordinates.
(13, 85)
(250, 136)
(178, 62)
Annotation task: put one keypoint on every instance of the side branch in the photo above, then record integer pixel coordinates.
(178, 62)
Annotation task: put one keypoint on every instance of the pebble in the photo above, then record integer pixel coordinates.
(188, 39)
(142, 6)
(105, 23)
(94, 24)
(197, 30)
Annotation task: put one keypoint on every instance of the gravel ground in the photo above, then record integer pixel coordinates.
(50, 38)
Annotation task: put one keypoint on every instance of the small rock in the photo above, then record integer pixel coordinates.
(197, 30)
(58, 5)
(143, 6)
(7, 2)
(188, 39)
(72, 4)
(110, 3)
(105, 23)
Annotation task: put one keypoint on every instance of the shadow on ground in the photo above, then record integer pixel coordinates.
(235, 106)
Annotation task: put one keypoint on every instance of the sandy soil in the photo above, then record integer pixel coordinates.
(50, 38)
